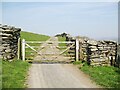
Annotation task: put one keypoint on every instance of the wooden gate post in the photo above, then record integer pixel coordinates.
(77, 50)
(18, 49)
(23, 49)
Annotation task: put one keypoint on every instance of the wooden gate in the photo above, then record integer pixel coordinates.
(69, 49)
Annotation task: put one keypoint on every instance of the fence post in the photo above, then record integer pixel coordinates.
(77, 50)
(18, 53)
(23, 49)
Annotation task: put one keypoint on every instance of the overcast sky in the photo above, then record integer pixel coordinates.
(92, 19)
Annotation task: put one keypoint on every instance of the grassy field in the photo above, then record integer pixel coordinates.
(14, 74)
(28, 36)
(106, 76)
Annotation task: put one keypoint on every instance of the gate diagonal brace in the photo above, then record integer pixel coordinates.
(65, 50)
(31, 48)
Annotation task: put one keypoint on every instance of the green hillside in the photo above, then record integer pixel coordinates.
(33, 36)
(29, 36)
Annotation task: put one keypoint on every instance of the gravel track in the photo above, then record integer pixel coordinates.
(58, 76)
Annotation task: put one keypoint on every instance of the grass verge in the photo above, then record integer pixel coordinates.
(14, 74)
(106, 76)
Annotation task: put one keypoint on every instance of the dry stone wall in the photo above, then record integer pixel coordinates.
(96, 52)
(9, 41)
(102, 52)
(118, 56)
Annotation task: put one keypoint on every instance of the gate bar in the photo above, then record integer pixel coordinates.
(31, 47)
